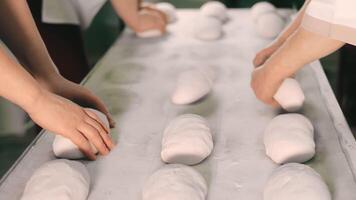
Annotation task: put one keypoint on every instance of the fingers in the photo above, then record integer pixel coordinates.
(161, 14)
(83, 144)
(94, 137)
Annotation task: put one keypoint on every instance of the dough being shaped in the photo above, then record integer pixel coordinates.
(65, 148)
(214, 9)
(289, 138)
(295, 182)
(149, 34)
(193, 85)
(175, 182)
(269, 25)
(187, 140)
(208, 28)
(261, 8)
(290, 95)
(169, 10)
(58, 180)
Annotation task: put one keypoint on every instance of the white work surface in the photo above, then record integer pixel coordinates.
(136, 78)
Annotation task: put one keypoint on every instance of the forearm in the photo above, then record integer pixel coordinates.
(300, 49)
(128, 11)
(17, 85)
(19, 32)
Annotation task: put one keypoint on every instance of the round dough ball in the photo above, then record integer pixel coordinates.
(208, 28)
(289, 138)
(169, 10)
(269, 25)
(192, 85)
(65, 148)
(58, 180)
(175, 182)
(187, 140)
(290, 95)
(214, 9)
(295, 182)
(261, 8)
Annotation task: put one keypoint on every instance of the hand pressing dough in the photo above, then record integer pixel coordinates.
(296, 182)
(58, 180)
(65, 148)
(289, 95)
(214, 9)
(193, 85)
(187, 140)
(175, 182)
(149, 34)
(289, 138)
(269, 25)
(208, 28)
(169, 10)
(261, 8)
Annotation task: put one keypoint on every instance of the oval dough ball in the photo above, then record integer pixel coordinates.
(65, 148)
(214, 9)
(261, 8)
(296, 182)
(289, 138)
(290, 95)
(58, 180)
(208, 28)
(269, 25)
(175, 182)
(192, 85)
(187, 140)
(169, 10)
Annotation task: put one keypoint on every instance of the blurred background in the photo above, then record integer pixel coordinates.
(75, 52)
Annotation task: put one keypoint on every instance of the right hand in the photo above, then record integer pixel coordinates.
(265, 53)
(150, 20)
(66, 118)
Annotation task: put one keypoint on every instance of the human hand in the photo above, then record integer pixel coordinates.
(265, 53)
(63, 117)
(150, 19)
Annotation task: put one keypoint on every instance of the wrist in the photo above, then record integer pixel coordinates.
(31, 102)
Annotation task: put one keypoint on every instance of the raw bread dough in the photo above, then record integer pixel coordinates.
(175, 182)
(261, 8)
(214, 9)
(65, 148)
(269, 25)
(208, 28)
(193, 85)
(289, 138)
(149, 34)
(58, 180)
(167, 9)
(187, 140)
(296, 182)
(290, 95)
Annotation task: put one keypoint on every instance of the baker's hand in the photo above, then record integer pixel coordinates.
(265, 84)
(265, 53)
(157, 12)
(150, 20)
(81, 126)
(75, 92)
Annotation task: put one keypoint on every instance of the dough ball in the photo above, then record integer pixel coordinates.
(149, 34)
(269, 25)
(192, 85)
(187, 140)
(261, 8)
(169, 10)
(289, 138)
(290, 95)
(296, 182)
(208, 28)
(58, 180)
(65, 148)
(175, 182)
(214, 9)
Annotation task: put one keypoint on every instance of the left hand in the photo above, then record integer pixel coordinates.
(265, 84)
(75, 92)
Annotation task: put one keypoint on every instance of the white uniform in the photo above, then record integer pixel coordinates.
(332, 18)
(77, 12)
